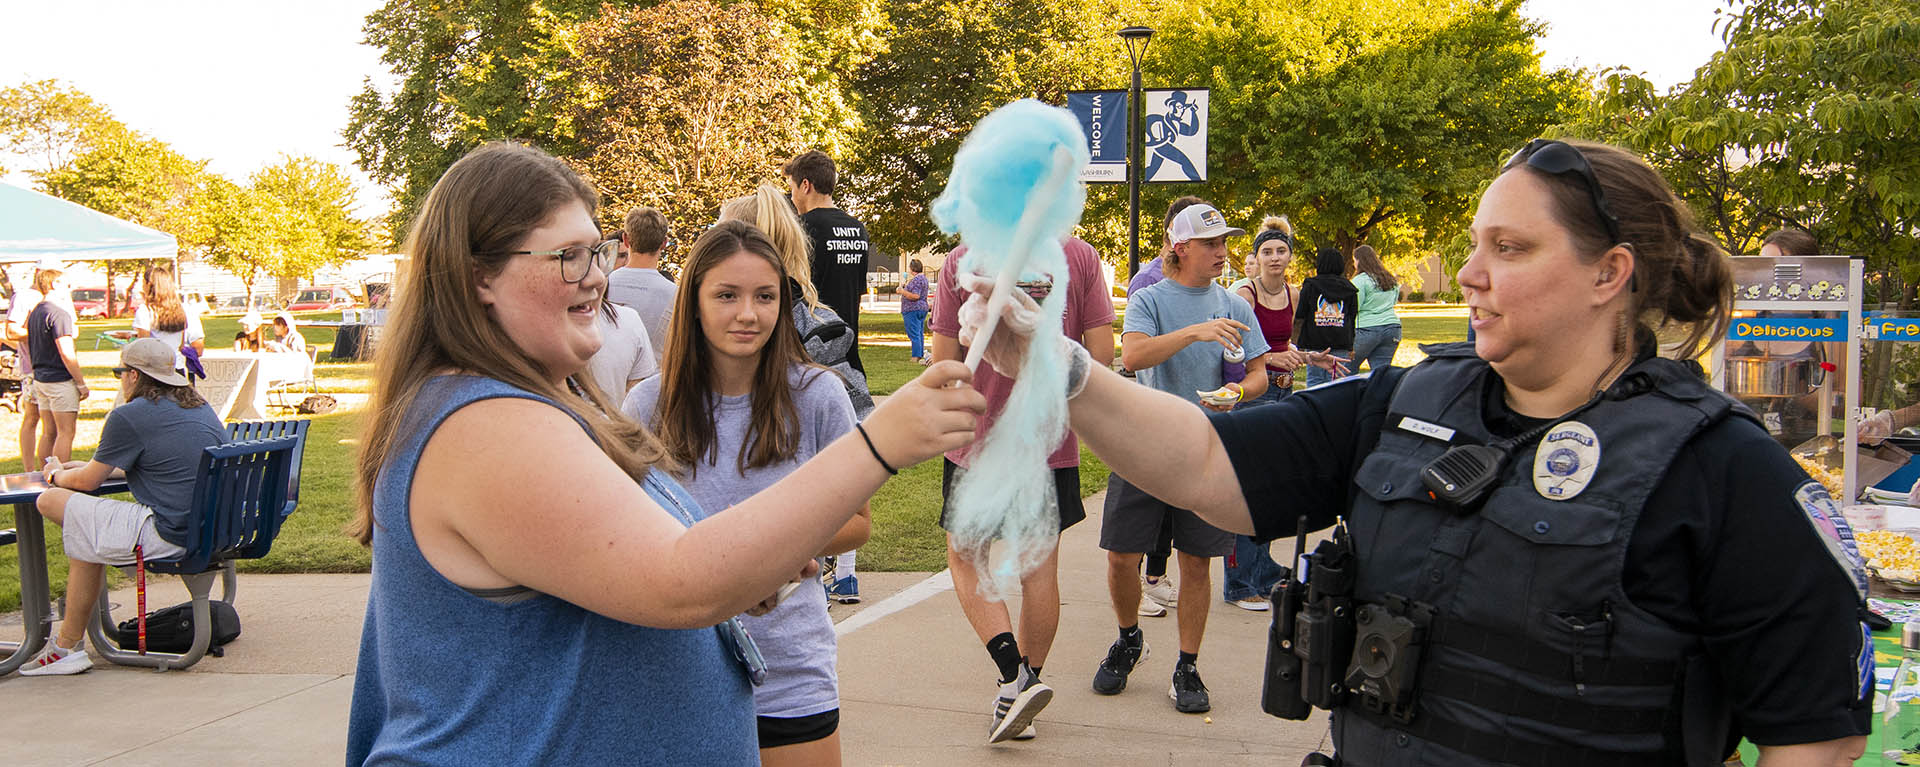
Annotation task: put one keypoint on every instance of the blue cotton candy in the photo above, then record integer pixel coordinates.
(1006, 494)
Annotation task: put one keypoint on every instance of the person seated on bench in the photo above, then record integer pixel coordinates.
(286, 335)
(156, 439)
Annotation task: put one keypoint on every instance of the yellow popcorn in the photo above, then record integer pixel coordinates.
(1828, 478)
(1892, 555)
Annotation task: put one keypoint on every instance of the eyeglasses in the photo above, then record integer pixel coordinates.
(576, 261)
(121, 371)
(1558, 158)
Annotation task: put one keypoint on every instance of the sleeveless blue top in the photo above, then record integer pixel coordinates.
(448, 677)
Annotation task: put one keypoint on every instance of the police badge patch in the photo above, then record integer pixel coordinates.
(1825, 516)
(1565, 461)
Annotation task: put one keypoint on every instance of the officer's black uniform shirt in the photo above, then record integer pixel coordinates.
(1723, 549)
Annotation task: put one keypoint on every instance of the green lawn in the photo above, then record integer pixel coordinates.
(906, 510)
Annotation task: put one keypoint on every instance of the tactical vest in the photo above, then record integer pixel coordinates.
(1536, 657)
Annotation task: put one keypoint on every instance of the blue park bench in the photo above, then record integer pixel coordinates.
(243, 492)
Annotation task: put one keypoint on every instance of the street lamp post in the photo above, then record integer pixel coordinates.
(1136, 39)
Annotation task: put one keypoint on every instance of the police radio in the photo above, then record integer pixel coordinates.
(1280, 690)
(1323, 632)
(1310, 639)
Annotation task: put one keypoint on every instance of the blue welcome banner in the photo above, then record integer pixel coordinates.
(1103, 116)
(1797, 329)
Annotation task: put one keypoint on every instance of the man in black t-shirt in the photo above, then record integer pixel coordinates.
(840, 245)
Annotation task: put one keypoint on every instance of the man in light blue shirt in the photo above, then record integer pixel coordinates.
(1176, 334)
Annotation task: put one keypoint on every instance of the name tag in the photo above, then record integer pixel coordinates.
(1423, 428)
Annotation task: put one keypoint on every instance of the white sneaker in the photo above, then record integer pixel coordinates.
(1162, 590)
(1027, 734)
(1256, 603)
(1150, 608)
(54, 662)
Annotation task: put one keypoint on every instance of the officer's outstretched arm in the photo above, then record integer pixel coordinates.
(1163, 445)
(1830, 753)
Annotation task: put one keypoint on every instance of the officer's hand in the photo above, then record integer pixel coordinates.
(1007, 349)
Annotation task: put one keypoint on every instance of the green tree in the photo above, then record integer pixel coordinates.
(131, 176)
(1809, 118)
(317, 198)
(464, 72)
(947, 64)
(832, 39)
(249, 231)
(688, 103)
(49, 124)
(1349, 115)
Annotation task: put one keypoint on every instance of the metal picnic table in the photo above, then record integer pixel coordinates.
(21, 491)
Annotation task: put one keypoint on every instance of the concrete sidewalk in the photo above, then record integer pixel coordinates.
(916, 685)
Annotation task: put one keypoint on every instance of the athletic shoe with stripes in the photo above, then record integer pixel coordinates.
(1020, 701)
(53, 661)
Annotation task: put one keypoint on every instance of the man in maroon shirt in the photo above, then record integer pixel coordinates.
(1089, 319)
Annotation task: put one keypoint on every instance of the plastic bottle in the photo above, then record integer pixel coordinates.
(1900, 725)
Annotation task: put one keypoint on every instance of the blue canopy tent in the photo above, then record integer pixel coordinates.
(34, 226)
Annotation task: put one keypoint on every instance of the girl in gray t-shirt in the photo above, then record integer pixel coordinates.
(739, 406)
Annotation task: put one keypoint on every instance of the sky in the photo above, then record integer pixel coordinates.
(241, 83)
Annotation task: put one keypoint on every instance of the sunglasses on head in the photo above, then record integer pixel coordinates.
(1558, 158)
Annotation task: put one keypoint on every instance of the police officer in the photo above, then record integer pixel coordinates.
(1604, 561)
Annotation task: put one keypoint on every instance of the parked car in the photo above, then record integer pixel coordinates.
(321, 300)
(237, 304)
(91, 303)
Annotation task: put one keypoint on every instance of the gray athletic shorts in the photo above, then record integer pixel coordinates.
(1131, 520)
(104, 530)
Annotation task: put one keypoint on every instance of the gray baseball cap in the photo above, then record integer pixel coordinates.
(152, 357)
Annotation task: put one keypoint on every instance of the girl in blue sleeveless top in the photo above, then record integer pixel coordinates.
(540, 594)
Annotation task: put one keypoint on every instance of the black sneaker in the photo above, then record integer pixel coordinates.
(1020, 701)
(1111, 677)
(1189, 694)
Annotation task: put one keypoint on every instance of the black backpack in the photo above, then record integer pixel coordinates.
(170, 629)
(829, 341)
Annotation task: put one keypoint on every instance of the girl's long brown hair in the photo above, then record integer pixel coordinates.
(1367, 262)
(163, 299)
(484, 205)
(683, 416)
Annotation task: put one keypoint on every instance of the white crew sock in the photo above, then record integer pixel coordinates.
(843, 565)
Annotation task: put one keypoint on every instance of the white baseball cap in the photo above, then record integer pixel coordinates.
(1200, 221)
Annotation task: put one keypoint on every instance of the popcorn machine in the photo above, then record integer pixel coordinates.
(1792, 354)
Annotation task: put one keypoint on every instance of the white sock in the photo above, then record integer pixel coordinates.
(843, 565)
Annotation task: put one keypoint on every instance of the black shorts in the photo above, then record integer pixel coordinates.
(1066, 493)
(1132, 520)
(783, 731)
